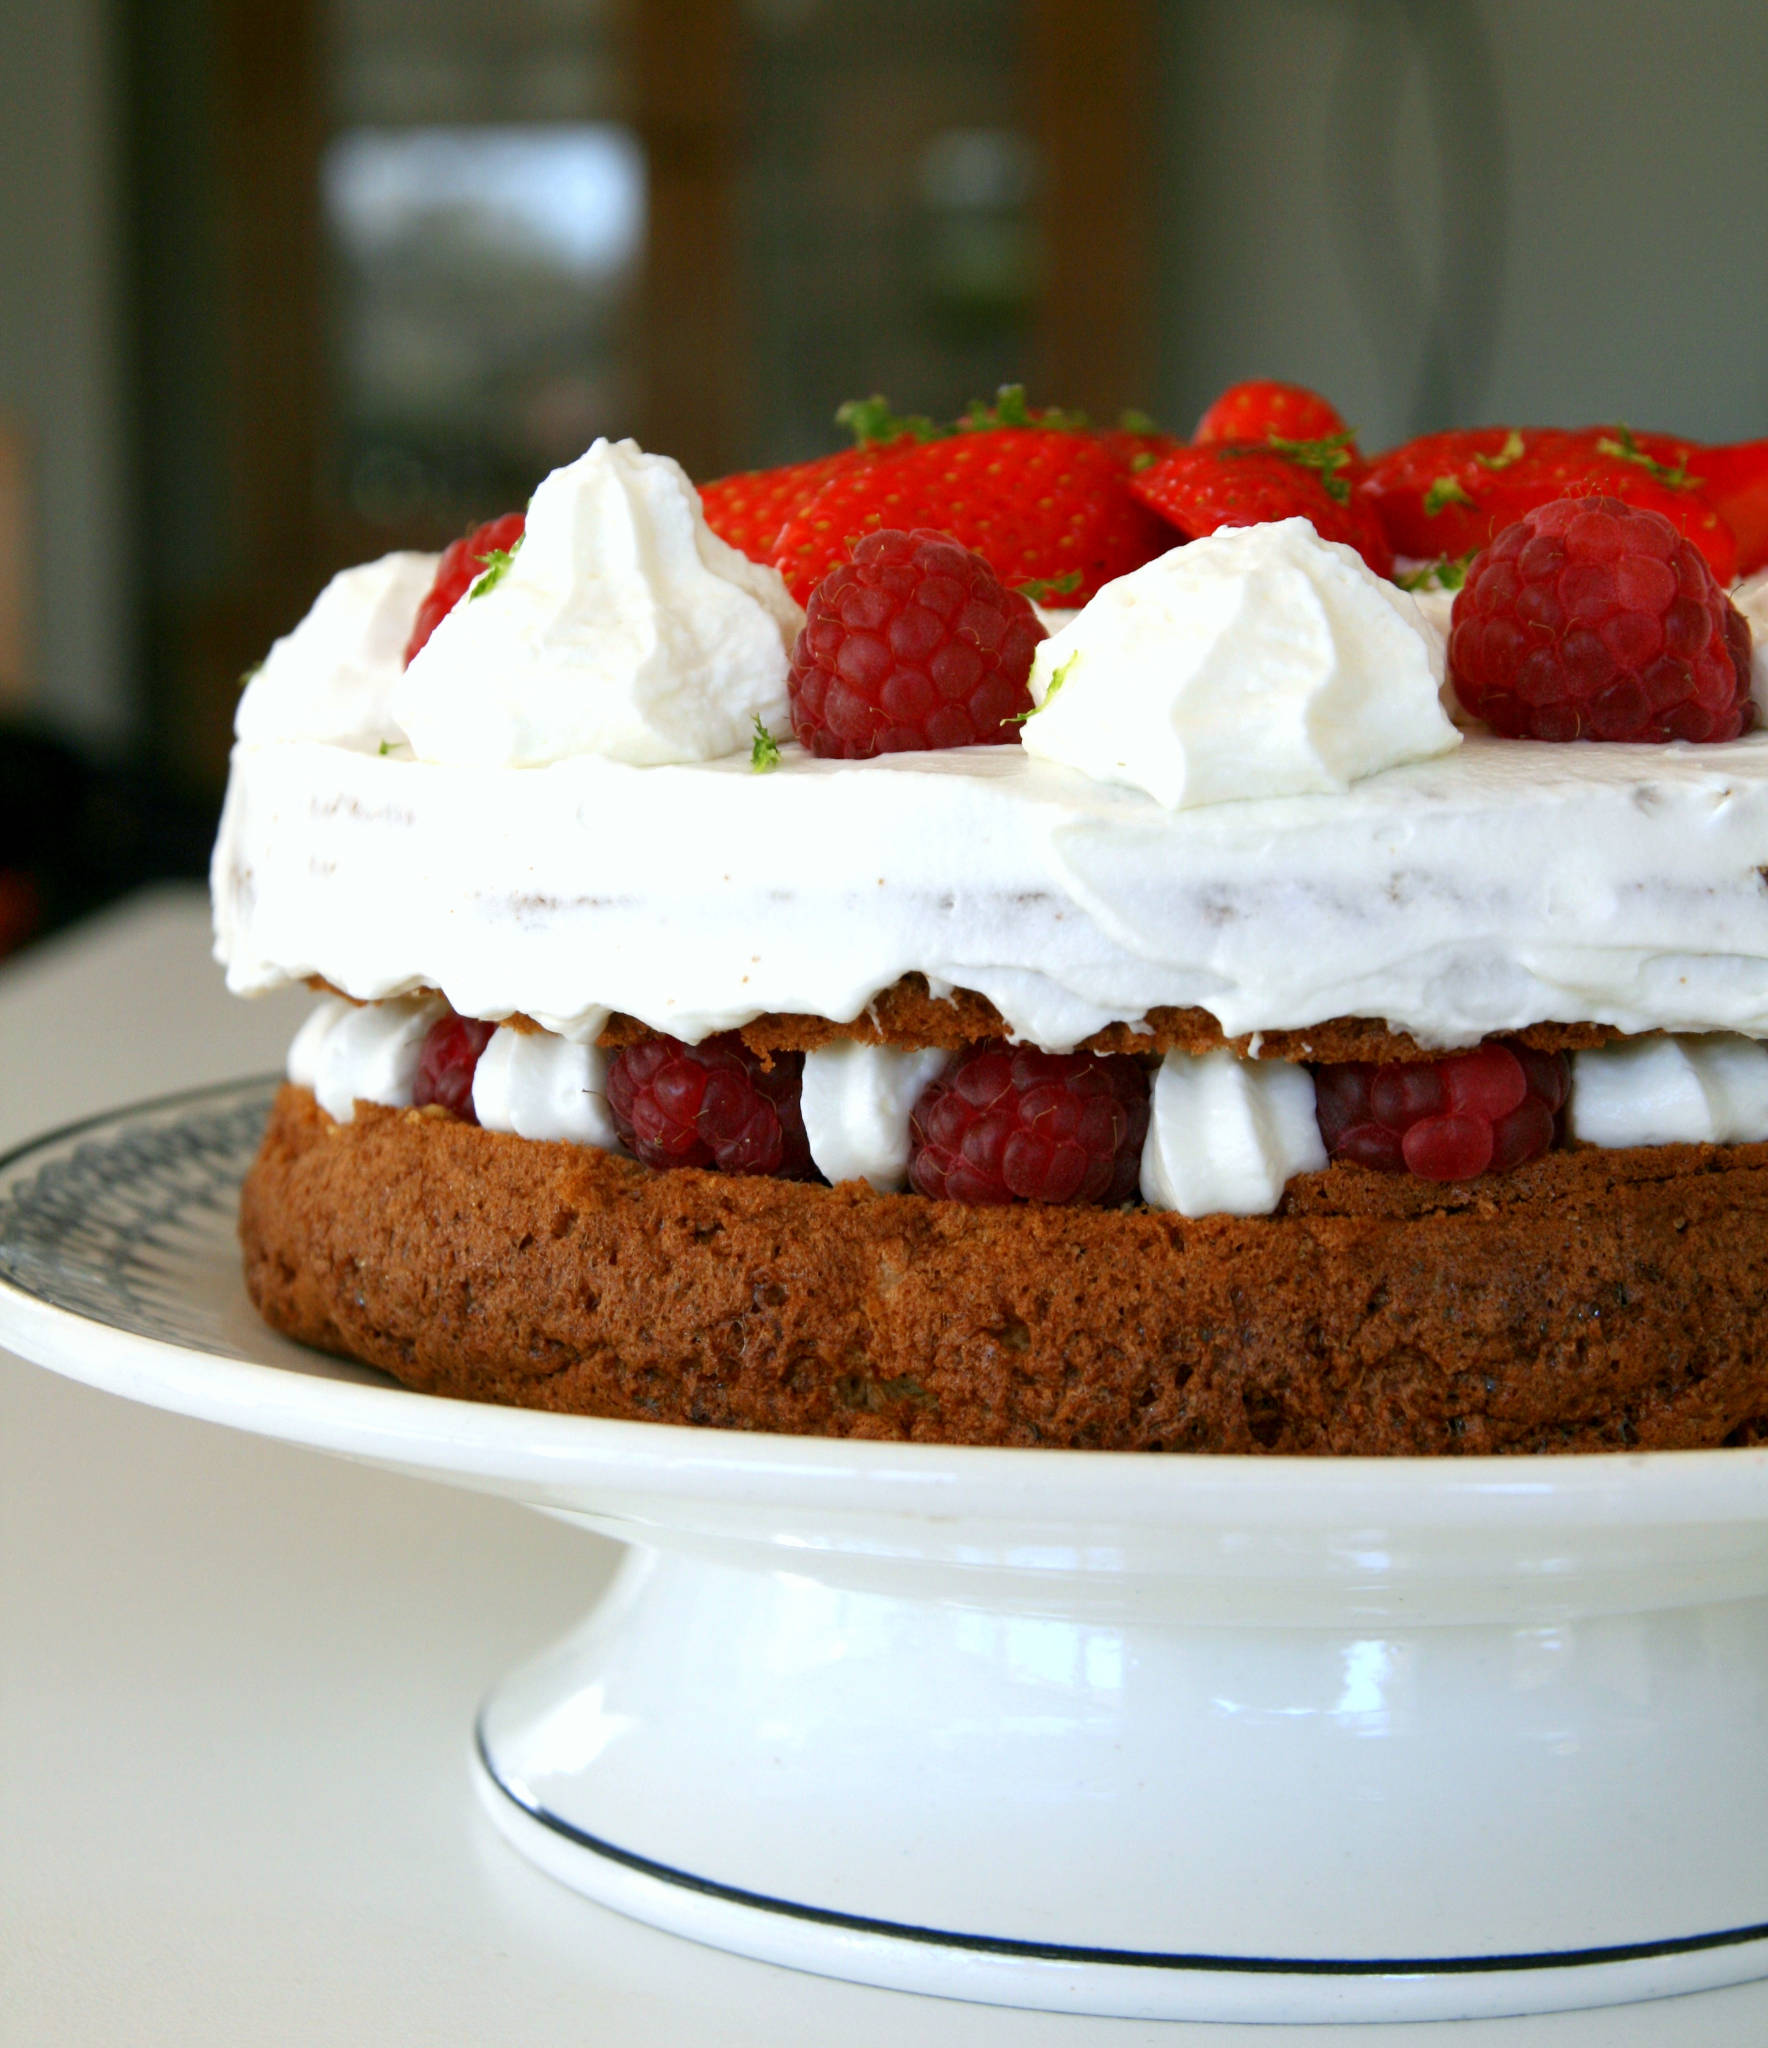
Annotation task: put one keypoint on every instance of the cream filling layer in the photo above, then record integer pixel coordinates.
(1225, 1135)
(1504, 884)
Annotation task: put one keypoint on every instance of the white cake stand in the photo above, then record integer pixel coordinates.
(1210, 1738)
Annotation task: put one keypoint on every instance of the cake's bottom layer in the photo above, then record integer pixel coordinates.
(1595, 1300)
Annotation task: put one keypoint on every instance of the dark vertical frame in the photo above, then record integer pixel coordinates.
(687, 72)
(1093, 71)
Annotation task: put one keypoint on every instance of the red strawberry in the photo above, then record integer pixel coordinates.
(1451, 493)
(1264, 410)
(749, 509)
(1734, 481)
(1039, 503)
(463, 562)
(1246, 484)
(1136, 443)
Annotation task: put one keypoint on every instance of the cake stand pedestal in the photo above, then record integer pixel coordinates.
(1213, 1738)
(1074, 1780)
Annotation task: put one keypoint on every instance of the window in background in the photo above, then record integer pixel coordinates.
(484, 281)
(888, 218)
(484, 214)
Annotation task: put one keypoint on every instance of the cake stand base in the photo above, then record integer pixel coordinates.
(1039, 1790)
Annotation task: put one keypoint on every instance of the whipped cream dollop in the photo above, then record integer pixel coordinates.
(1226, 1135)
(1709, 1090)
(541, 1086)
(857, 1100)
(1260, 661)
(361, 1052)
(622, 626)
(334, 676)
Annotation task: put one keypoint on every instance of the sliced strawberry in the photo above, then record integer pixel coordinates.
(1451, 493)
(1264, 410)
(1247, 484)
(1039, 504)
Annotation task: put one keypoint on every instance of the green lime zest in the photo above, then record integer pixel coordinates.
(764, 750)
(1056, 681)
(497, 562)
(1622, 446)
(1513, 450)
(1447, 490)
(1040, 589)
(1448, 574)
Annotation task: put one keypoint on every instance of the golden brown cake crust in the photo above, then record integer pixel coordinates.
(907, 1013)
(1594, 1300)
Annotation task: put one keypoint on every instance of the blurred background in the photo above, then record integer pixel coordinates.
(287, 283)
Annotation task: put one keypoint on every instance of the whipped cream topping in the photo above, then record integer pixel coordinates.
(349, 1053)
(622, 627)
(857, 1100)
(1226, 1135)
(334, 676)
(1664, 1091)
(1751, 598)
(540, 1086)
(1505, 883)
(1259, 661)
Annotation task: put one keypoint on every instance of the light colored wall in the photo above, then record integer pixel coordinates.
(61, 357)
(1450, 211)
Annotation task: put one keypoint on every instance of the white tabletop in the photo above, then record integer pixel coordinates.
(237, 1679)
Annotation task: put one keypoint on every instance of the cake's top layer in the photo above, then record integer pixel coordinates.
(1494, 887)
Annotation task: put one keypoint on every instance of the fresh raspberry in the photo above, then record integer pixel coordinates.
(447, 1063)
(462, 564)
(1451, 493)
(1592, 619)
(1484, 1111)
(1246, 483)
(1264, 410)
(914, 644)
(711, 1105)
(1006, 1123)
(1039, 503)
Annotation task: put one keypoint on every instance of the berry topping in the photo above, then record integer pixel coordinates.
(1734, 481)
(1009, 1124)
(1246, 483)
(913, 644)
(749, 509)
(711, 1105)
(1446, 494)
(446, 1065)
(1592, 619)
(461, 566)
(1264, 410)
(1484, 1111)
(1039, 501)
